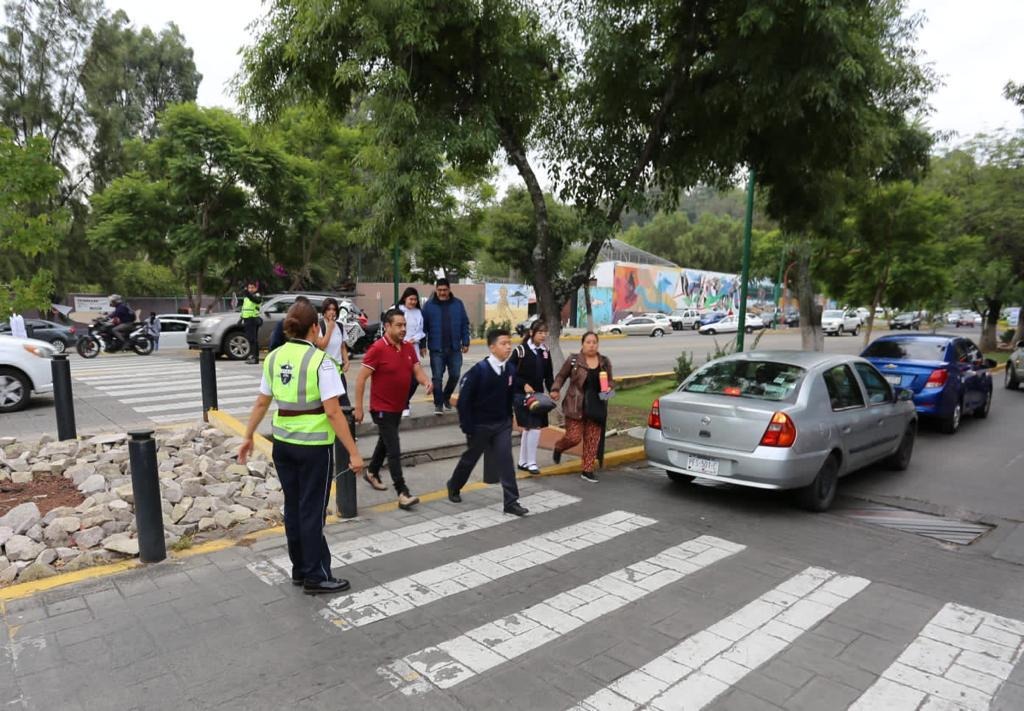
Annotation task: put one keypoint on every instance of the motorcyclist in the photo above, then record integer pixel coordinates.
(122, 318)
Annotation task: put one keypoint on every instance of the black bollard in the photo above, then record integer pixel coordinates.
(345, 478)
(208, 376)
(63, 399)
(149, 519)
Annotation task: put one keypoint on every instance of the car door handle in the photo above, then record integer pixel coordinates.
(846, 430)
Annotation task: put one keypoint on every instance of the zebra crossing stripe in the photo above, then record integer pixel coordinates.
(114, 378)
(384, 543)
(960, 660)
(196, 402)
(695, 672)
(408, 593)
(194, 393)
(463, 657)
(167, 384)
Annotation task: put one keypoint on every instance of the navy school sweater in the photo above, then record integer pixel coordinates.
(485, 397)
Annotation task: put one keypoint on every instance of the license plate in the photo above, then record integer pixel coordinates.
(894, 379)
(701, 465)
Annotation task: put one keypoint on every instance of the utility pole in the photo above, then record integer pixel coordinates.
(745, 271)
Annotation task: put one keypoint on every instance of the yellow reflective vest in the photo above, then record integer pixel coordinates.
(292, 373)
(250, 309)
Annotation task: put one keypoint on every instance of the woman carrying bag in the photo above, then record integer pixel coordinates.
(534, 377)
(587, 377)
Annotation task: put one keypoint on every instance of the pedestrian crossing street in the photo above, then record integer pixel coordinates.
(961, 658)
(166, 388)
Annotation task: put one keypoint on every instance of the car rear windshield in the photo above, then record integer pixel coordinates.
(758, 379)
(832, 314)
(908, 349)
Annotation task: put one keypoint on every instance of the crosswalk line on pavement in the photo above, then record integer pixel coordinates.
(407, 593)
(487, 646)
(191, 393)
(960, 659)
(120, 376)
(167, 385)
(278, 570)
(703, 666)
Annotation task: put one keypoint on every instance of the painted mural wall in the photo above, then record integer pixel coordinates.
(601, 300)
(507, 302)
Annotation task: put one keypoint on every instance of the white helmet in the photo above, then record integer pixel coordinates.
(115, 299)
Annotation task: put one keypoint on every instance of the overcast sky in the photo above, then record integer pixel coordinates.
(974, 46)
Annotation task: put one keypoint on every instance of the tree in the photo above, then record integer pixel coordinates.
(129, 77)
(203, 198)
(896, 249)
(622, 100)
(28, 227)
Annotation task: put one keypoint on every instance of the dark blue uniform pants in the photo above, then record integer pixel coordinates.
(495, 443)
(252, 332)
(305, 472)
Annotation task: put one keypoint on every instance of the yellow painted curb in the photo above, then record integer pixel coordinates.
(232, 425)
(612, 459)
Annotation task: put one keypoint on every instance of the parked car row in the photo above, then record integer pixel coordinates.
(793, 420)
(58, 335)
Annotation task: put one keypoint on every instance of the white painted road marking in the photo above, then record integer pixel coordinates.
(695, 672)
(383, 543)
(463, 657)
(959, 660)
(403, 594)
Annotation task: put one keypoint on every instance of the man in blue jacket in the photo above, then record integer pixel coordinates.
(447, 328)
(485, 416)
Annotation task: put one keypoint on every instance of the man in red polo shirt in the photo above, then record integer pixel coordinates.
(390, 363)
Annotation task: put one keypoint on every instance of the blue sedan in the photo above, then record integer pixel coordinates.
(711, 317)
(949, 375)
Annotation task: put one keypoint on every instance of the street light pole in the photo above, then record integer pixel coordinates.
(745, 272)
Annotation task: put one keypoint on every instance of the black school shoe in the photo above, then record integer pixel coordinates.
(556, 456)
(516, 510)
(325, 587)
(589, 476)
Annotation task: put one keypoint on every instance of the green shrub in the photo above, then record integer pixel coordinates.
(1006, 336)
(684, 366)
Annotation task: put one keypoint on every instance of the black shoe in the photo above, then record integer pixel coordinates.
(589, 476)
(522, 467)
(438, 410)
(448, 406)
(325, 587)
(298, 581)
(556, 455)
(453, 495)
(516, 510)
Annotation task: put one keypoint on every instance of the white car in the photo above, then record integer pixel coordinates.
(688, 319)
(24, 369)
(638, 326)
(173, 330)
(836, 322)
(731, 324)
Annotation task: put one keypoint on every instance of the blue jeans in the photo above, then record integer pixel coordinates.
(439, 360)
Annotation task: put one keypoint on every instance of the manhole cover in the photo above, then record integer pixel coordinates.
(941, 529)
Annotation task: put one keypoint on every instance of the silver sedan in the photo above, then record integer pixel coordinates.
(782, 420)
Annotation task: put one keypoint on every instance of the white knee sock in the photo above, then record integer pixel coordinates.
(532, 439)
(524, 447)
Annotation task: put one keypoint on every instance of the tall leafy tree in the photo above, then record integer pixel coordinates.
(202, 199)
(615, 97)
(29, 227)
(129, 77)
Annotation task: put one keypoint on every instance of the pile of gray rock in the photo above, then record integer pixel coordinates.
(203, 494)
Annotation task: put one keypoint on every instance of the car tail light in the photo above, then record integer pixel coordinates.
(937, 379)
(781, 432)
(654, 419)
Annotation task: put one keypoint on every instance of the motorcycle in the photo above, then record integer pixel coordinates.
(101, 338)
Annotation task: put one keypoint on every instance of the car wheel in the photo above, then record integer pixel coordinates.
(58, 345)
(821, 493)
(616, 332)
(657, 333)
(679, 478)
(236, 346)
(855, 331)
(1010, 379)
(982, 413)
(15, 390)
(900, 460)
(949, 425)
(710, 332)
(749, 329)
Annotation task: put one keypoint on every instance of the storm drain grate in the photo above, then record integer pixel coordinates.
(948, 530)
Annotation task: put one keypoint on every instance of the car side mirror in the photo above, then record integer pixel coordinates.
(904, 394)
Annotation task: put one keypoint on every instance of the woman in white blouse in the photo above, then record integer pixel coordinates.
(410, 306)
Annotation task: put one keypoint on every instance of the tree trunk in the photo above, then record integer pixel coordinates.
(589, 305)
(811, 336)
(547, 306)
(875, 301)
(990, 326)
(1018, 335)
